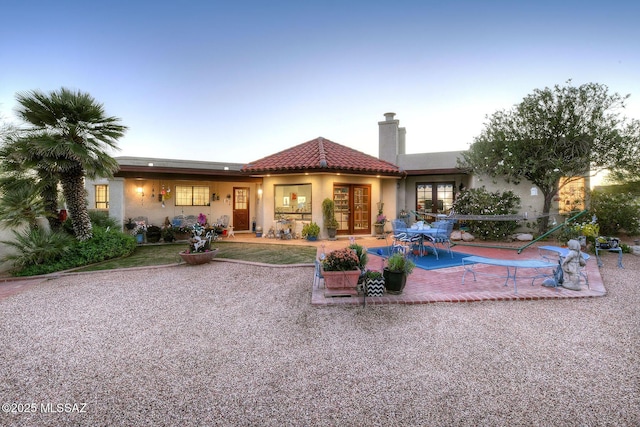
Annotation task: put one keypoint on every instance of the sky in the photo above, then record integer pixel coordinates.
(236, 81)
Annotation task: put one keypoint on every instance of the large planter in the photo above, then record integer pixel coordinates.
(153, 234)
(337, 280)
(332, 232)
(139, 238)
(153, 237)
(394, 281)
(379, 228)
(196, 258)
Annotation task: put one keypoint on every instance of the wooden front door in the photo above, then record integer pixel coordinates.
(240, 209)
(353, 208)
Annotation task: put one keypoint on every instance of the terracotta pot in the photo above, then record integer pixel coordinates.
(341, 279)
(198, 257)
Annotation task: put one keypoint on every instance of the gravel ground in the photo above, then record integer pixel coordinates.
(231, 344)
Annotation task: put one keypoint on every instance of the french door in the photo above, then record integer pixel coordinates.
(353, 208)
(434, 197)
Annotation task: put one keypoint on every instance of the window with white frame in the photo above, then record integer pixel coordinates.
(192, 195)
(102, 196)
(292, 201)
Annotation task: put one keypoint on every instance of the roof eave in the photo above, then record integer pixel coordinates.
(444, 171)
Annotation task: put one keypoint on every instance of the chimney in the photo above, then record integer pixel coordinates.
(388, 139)
(402, 145)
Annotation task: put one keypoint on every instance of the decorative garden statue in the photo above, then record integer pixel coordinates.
(571, 266)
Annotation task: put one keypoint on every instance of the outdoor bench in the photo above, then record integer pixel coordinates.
(469, 262)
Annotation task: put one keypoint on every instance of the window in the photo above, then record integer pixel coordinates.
(571, 195)
(293, 201)
(102, 197)
(192, 195)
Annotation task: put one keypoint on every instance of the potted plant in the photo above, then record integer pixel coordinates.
(396, 272)
(363, 258)
(153, 234)
(167, 234)
(381, 220)
(182, 233)
(340, 269)
(139, 231)
(199, 251)
(130, 225)
(374, 283)
(329, 216)
(311, 231)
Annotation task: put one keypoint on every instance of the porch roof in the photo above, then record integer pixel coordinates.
(322, 155)
(145, 167)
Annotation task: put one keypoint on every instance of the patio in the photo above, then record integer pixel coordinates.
(445, 285)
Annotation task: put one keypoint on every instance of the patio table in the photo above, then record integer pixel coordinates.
(431, 231)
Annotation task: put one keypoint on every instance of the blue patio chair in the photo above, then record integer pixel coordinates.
(442, 236)
(317, 277)
(403, 240)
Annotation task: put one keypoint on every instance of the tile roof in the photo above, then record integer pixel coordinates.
(322, 155)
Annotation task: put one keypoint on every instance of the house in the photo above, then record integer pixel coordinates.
(289, 186)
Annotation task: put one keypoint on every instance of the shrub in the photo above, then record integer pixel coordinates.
(37, 246)
(341, 260)
(102, 246)
(310, 230)
(570, 231)
(372, 274)
(361, 253)
(102, 219)
(478, 201)
(399, 263)
(616, 213)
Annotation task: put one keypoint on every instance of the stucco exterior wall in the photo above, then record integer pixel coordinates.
(126, 202)
(322, 187)
(531, 204)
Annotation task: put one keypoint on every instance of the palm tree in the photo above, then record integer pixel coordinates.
(21, 202)
(17, 163)
(67, 138)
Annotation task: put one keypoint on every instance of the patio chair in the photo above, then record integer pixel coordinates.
(442, 236)
(402, 240)
(224, 221)
(190, 220)
(177, 221)
(317, 276)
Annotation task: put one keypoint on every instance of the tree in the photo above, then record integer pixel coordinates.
(18, 163)
(21, 202)
(553, 133)
(67, 136)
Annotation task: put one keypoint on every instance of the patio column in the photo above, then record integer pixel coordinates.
(116, 200)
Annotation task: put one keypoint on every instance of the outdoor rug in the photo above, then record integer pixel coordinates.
(429, 261)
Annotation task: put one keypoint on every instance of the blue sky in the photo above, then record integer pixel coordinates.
(236, 81)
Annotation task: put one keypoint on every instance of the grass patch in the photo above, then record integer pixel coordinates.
(164, 254)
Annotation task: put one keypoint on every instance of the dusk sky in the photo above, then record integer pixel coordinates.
(235, 81)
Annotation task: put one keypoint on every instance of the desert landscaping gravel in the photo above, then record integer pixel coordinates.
(240, 345)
